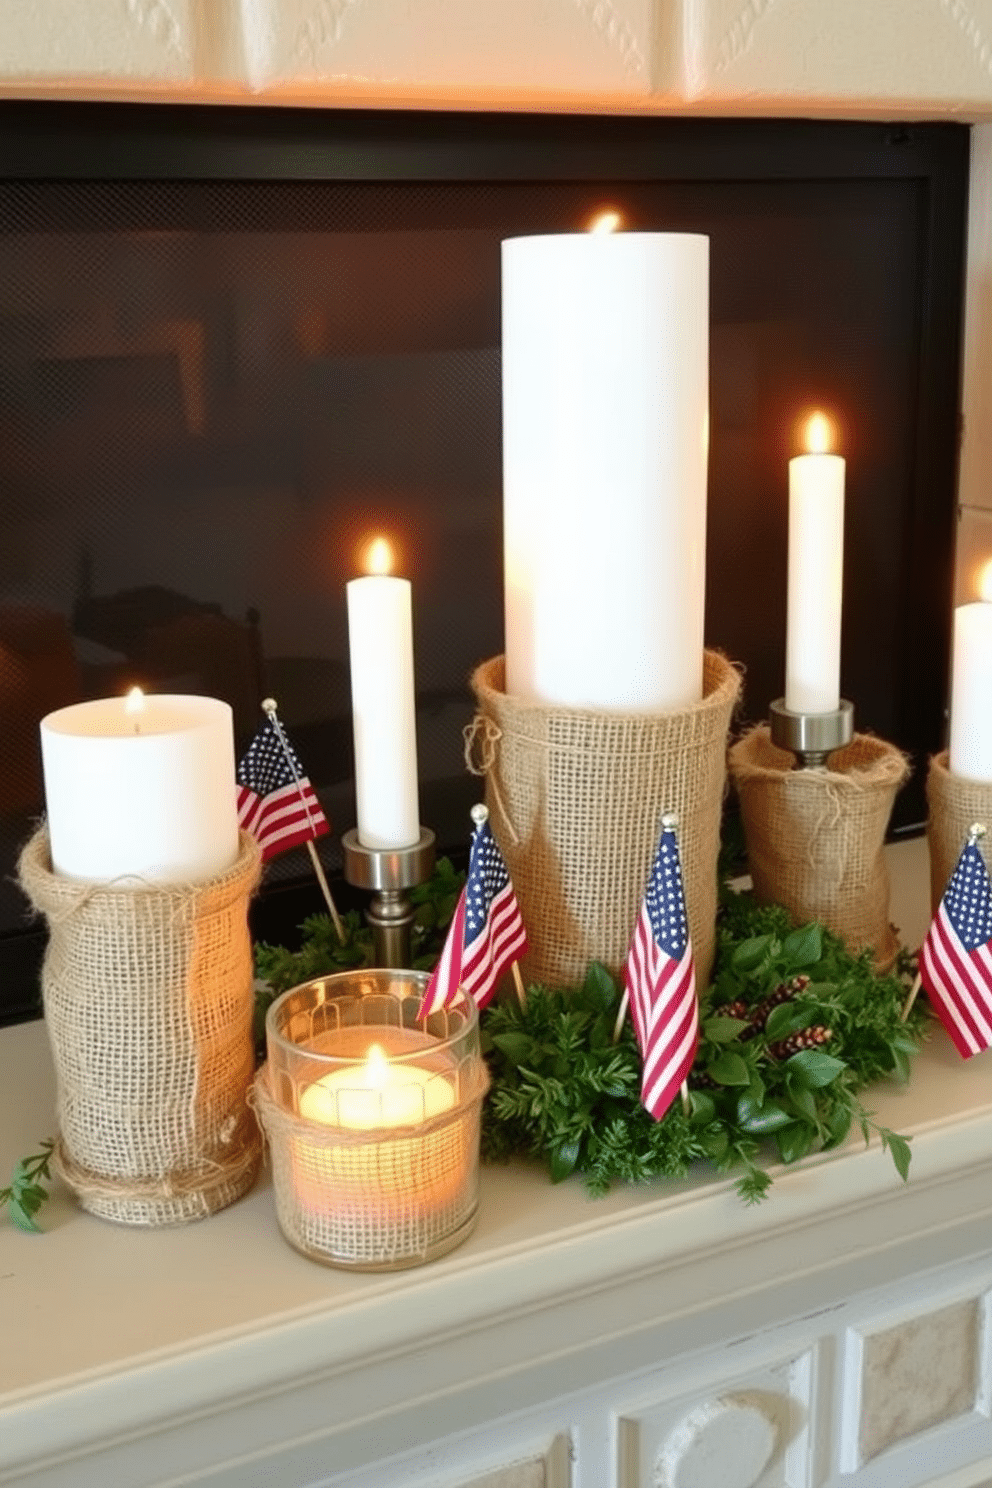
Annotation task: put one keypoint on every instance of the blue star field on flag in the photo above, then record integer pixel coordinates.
(487, 932)
(661, 980)
(956, 959)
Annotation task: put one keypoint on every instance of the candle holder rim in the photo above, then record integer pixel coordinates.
(418, 980)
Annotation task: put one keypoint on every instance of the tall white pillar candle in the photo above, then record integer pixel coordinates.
(605, 425)
(143, 793)
(816, 573)
(971, 689)
(380, 635)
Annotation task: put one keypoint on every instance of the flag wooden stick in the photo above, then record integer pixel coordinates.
(621, 1015)
(686, 1102)
(325, 890)
(269, 707)
(907, 1006)
(518, 982)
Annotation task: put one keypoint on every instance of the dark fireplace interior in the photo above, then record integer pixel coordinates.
(237, 343)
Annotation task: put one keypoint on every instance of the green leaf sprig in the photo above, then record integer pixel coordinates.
(28, 1191)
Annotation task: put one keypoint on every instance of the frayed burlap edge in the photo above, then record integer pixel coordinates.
(954, 804)
(576, 798)
(148, 1003)
(815, 838)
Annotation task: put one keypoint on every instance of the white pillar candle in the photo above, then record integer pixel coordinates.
(605, 425)
(816, 573)
(971, 687)
(380, 636)
(141, 788)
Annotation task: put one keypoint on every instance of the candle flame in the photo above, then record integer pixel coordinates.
(818, 435)
(135, 701)
(376, 1070)
(985, 582)
(379, 557)
(606, 222)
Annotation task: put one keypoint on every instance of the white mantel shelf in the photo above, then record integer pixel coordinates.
(154, 1348)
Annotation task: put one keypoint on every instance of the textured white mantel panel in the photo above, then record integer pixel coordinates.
(486, 50)
(907, 58)
(840, 56)
(136, 42)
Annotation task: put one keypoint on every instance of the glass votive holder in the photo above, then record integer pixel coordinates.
(372, 1116)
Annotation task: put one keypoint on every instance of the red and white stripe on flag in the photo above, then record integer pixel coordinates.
(445, 979)
(665, 1015)
(959, 985)
(501, 941)
(282, 819)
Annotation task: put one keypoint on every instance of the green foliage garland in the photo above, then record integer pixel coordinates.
(565, 1092)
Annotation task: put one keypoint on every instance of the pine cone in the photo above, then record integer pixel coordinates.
(735, 1009)
(806, 1038)
(784, 992)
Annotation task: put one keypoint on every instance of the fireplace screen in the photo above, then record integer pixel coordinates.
(236, 345)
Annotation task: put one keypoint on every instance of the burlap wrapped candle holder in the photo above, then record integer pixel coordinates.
(575, 800)
(954, 805)
(148, 1002)
(375, 1166)
(815, 837)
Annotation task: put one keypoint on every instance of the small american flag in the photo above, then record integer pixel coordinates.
(956, 959)
(276, 802)
(661, 981)
(487, 933)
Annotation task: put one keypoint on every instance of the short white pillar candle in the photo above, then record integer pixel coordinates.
(141, 787)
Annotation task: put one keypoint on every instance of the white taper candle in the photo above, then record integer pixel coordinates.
(816, 575)
(380, 636)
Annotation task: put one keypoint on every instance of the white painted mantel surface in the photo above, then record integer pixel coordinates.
(575, 1336)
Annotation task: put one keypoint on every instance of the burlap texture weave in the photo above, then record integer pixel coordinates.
(576, 800)
(954, 805)
(815, 837)
(374, 1200)
(148, 1003)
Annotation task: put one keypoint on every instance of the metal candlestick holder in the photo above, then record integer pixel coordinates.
(811, 737)
(389, 872)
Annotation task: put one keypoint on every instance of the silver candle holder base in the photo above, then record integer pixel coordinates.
(811, 737)
(389, 873)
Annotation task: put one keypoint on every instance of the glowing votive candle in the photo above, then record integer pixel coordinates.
(373, 1120)
(816, 575)
(378, 1095)
(971, 686)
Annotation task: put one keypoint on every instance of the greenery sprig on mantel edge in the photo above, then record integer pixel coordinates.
(28, 1186)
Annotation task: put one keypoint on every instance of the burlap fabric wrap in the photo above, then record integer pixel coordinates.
(148, 1002)
(576, 798)
(954, 805)
(815, 837)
